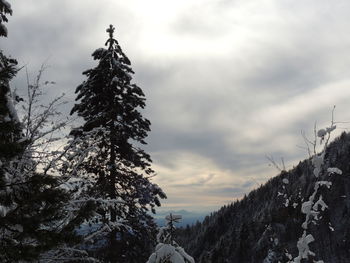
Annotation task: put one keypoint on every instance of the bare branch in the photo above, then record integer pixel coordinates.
(281, 167)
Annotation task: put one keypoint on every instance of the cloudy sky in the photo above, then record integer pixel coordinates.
(227, 81)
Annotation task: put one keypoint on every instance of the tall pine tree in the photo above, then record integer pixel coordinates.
(108, 153)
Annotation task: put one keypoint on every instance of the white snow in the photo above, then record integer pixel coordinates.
(334, 170)
(303, 247)
(18, 228)
(169, 253)
(286, 204)
(321, 133)
(115, 79)
(3, 211)
(311, 207)
(330, 227)
(330, 129)
(11, 108)
(321, 203)
(270, 258)
(326, 183)
(317, 161)
(306, 207)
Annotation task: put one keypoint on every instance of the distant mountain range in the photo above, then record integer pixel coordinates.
(264, 228)
(188, 217)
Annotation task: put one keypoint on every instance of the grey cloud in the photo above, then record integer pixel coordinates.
(206, 179)
(282, 72)
(61, 33)
(196, 22)
(211, 145)
(199, 183)
(201, 104)
(205, 104)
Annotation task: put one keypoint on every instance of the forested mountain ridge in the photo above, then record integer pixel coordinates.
(265, 227)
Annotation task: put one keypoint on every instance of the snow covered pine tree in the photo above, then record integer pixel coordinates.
(167, 250)
(107, 154)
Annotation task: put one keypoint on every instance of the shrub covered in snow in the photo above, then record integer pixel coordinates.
(167, 250)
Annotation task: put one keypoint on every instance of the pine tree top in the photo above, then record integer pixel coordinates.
(111, 40)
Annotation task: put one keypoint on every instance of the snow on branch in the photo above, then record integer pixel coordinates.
(315, 203)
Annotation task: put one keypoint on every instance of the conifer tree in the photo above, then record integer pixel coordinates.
(167, 250)
(107, 149)
(9, 123)
(32, 215)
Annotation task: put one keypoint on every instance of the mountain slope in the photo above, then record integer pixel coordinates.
(263, 228)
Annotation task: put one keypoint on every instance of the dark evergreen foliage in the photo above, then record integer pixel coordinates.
(246, 230)
(112, 131)
(33, 218)
(9, 124)
(5, 8)
(33, 226)
(31, 204)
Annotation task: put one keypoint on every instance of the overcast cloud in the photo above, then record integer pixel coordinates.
(226, 81)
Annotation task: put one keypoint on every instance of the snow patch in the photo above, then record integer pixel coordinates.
(169, 253)
(334, 170)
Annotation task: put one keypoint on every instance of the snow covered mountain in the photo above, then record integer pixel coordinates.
(265, 225)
